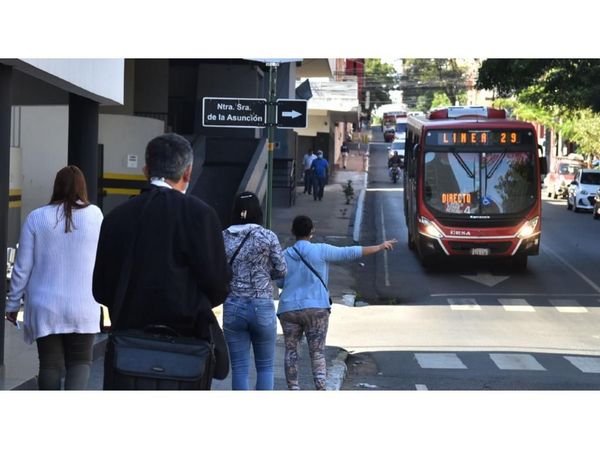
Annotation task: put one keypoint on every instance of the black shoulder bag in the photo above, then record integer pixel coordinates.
(312, 269)
(157, 357)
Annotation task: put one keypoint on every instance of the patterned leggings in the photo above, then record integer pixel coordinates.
(313, 322)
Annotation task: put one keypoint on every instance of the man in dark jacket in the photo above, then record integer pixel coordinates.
(179, 270)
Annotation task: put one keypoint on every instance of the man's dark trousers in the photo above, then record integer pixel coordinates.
(308, 181)
(319, 187)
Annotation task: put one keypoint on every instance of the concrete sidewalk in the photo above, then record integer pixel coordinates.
(334, 224)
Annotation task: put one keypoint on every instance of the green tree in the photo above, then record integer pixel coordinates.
(422, 76)
(571, 84)
(380, 78)
(440, 99)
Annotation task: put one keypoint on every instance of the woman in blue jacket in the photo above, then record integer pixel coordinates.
(304, 306)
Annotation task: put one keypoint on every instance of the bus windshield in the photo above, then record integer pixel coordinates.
(482, 183)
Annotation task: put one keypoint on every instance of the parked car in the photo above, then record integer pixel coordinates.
(596, 210)
(389, 134)
(583, 190)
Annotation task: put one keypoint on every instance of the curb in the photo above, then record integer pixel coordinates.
(337, 373)
(359, 211)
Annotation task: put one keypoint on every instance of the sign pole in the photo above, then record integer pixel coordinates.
(271, 124)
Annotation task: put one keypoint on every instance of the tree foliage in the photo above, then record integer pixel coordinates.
(380, 79)
(423, 77)
(569, 84)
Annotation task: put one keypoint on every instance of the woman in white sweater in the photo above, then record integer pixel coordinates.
(53, 274)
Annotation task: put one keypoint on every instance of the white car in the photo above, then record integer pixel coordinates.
(582, 190)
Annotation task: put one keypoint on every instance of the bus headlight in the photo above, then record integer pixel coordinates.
(430, 229)
(528, 228)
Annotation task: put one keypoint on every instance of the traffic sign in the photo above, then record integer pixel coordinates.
(291, 113)
(234, 112)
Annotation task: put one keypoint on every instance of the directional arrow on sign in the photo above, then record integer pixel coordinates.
(486, 278)
(293, 114)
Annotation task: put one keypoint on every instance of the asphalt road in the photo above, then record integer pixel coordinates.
(476, 326)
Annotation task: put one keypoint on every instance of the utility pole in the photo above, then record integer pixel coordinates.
(271, 124)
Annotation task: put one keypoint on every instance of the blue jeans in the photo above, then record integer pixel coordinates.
(250, 321)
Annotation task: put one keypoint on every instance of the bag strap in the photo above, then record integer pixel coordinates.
(240, 247)
(311, 268)
(128, 264)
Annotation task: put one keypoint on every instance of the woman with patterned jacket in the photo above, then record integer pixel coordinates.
(256, 258)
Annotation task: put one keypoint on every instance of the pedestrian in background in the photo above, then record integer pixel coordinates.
(178, 269)
(308, 177)
(320, 168)
(249, 317)
(304, 304)
(53, 274)
(345, 151)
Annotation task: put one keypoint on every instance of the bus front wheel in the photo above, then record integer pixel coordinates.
(519, 263)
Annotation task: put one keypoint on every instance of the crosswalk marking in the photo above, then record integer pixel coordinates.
(586, 364)
(515, 361)
(421, 387)
(516, 305)
(464, 304)
(439, 361)
(568, 306)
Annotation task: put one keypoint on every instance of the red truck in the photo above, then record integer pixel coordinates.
(562, 172)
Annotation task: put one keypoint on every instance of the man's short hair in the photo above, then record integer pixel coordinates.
(168, 156)
(302, 226)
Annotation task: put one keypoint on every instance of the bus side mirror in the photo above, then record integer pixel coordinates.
(414, 151)
(543, 165)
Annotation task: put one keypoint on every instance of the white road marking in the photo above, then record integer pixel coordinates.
(585, 364)
(516, 305)
(486, 278)
(421, 387)
(515, 361)
(568, 306)
(464, 304)
(385, 256)
(500, 294)
(439, 361)
(566, 263)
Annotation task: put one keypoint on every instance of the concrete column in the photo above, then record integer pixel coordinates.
(83, 140)
(5, 111)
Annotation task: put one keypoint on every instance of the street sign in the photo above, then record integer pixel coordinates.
(291, 113)
(234, 112)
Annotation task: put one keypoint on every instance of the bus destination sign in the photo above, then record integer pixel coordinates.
(479, 137)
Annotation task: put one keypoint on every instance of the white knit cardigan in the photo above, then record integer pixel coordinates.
(53, 273)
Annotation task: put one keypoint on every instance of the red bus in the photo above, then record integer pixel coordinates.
(472, 186)
(389, 119)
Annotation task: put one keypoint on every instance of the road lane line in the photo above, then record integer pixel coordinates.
(568, 306)
(516, 305)
(463, 304)
(566, 263)
(439, 361)
(421, 387)
(500, 294)
(515, 361)
(385, 256)
(585, 363)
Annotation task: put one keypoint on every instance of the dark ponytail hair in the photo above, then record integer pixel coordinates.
(70, 191)
(246, 209)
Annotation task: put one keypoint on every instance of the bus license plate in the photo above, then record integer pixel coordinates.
(480, 251)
